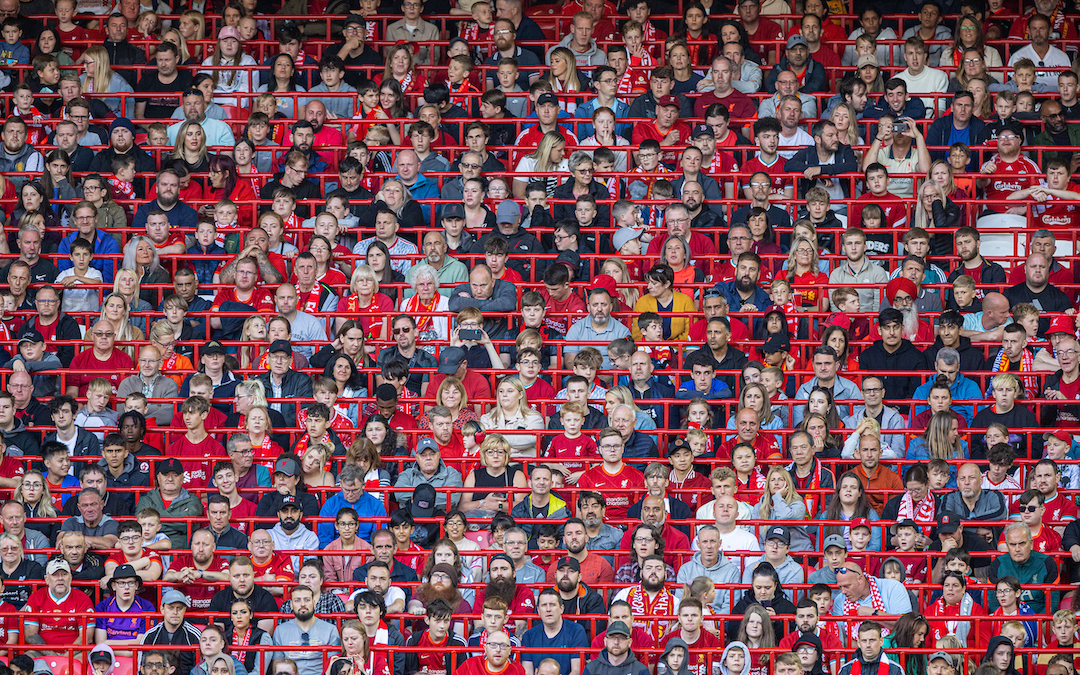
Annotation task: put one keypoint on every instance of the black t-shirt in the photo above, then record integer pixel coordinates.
(18, 593)
(880, 243)
(355, 71)
(158, 104)
(262, 603)
(43, 272)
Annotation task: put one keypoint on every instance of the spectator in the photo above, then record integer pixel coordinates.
(1021, 559)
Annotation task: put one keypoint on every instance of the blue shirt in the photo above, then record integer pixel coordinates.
(570, 635)
(124, 628)
(181, 217)
(367, 508)
(103, 245)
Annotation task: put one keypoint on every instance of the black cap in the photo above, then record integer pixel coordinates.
(31, 335)
(1014, 126)
(423, 501)
(567, 561)
(169, 466)
(211, 348)
(890, 315)
(450, 359)
(546, 97)
(703, 130)
(678, 445)
(571, 259)
(618, 628)
(779, 532)
(124, 571)
(354, 19)
(281, 346)
(906, 522)
(948, 523)
(776, 342)
(454, 210)
(289, 500)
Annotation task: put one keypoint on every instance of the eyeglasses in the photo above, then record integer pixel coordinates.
(242, 451)
(974, 60)
(103, 334)
(504, 32)
(873, 390)
(347, 523)
(34, 485)
(153, 666)
(500, 646)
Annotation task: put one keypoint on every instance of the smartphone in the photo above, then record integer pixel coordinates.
(899, 127)
(469, 333)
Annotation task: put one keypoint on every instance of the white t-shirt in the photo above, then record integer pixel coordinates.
(800, 140)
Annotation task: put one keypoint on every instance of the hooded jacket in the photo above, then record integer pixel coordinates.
(593, 56)
(812, 639)
(601, 665)
(746, 658)
(21, 441)
(779, 603)
(186, 505)
(724, 572)
(860, 666)
(131, 476)
(962, 389)
(108, 650)
(992, 646)
(556, 510)
(662, 666)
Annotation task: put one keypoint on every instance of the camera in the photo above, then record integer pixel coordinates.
(469, 333)
(899, 127)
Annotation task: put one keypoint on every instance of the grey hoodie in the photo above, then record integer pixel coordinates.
(97, 650)
(594, 56)
(746, 659)
(723, 572)
(662, 666)
(602, 666)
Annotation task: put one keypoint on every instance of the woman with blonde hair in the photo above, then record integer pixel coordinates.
(259, 428)
(33, 493)
(781, 501)
(511, 412)
(174, 36)
(621, 395)
(313, 471)
(549, 160)
(114, 311)
(395, 196)
(969, 36)
(617, 269)
(845, 118)
(983, 103)
(127, 285)
(141, 256)
(805, 275)
(451, 393)
(564, 77)
(254, 331)
(190, 147)
(99, 78)
(496, 472)
(366, 304)
(356, 646)
(940, 440)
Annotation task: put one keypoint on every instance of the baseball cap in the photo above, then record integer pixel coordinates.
(797, 41)
(1014, 126)
(778, 532)
(228, 32)
(354, 19)
(170, 465)
(668, 100)
(281, 346)
(1062, 324)
(623, 235)
(423, 501)
(567, 561)
(1059, 434)
(101, 653)
(680, 444)
(860, 522)
(948, 523)
(833, 540)
(450, 359)
(867, 60)
(58, 565)
(31, 335)
(507, 212)
(287, 466)
(941, 655)
(604, 281)
(703, 130)
(618, 628)
(546, 97)
(454, 210)
(427, 443)
(289, 500)
(776, 342)
(906, 522)
(172, 595)
(211, 348)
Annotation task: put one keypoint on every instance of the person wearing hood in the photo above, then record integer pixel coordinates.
(870, 657)
(121, 469)
(735, 659)
(891, 353)
(949, 363)
(809, 650)
(766, 591)
(999, 653)
(616, 657)
(673, 660)
(710, 561)
(691, 633)
(808, 622)
(102, 661)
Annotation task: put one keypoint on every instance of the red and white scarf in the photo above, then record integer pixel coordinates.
(241, 642)
(851, 608)
(416, 308)
(311, 304)
(640, 604)
(921, 513)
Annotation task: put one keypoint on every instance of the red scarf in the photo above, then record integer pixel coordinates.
(921, 513)
(851, 608)
(416, 308)
(641, 605)
(311, 304)
(237, 641)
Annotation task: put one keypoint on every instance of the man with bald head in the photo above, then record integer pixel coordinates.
(325, 137)
(656, 484)
(150, 382)
(862, 595)
(101, 360)
(495, 298)
(971, 502)
(1037, 290)
(987, 325)
(733, 539)
(1045, 242)
(693, 198)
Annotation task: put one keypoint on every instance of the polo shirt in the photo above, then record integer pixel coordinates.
(570, 635)
(582, 331)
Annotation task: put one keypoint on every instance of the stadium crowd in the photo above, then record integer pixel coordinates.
(441, 338)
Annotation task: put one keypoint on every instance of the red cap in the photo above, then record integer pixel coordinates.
(1062, 324)
(860, 522)
(1059, 434)
(604, 281)
(668, 100)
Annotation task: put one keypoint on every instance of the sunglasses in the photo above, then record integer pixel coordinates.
(406, 329)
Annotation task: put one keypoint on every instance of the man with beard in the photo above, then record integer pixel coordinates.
(577, 598)
(196, 573)
(194, 105)
(553, 633)
(599, 535)
(826, 157)
(305, 630)
(1045, 20)
(303, 138)
(437, 660)
(598, 326)
(293, 176)
(594, 569)
(1037, 290)
(655, 510)
(693, 198)
(441, 585)
(984, 272)
(182, 218)
(288, 534)
(743, 293)
(893, 352)
(503, 585)
(496, 658)
(797, 59)
(323, 136)
(66, 138)
(649, 597)
(18, 155)
(122, 142)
